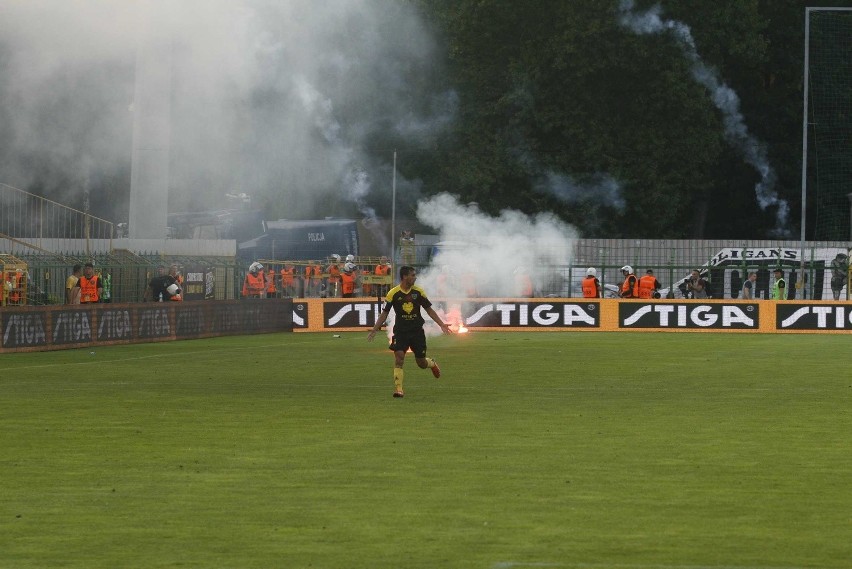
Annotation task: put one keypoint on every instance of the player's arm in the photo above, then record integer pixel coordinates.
(379, 323)
(434, 316)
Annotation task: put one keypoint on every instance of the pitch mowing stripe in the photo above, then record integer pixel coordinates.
(152, 356)
(521, 564)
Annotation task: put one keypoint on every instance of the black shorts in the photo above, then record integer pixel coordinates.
(416, 340)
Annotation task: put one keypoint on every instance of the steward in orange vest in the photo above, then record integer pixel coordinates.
(382, 269)
(313, 278)
(347, 281)
(16, 282)
(270, 284)
(591, 284)
(630, 286)
(648, 285)
(90, 285)
(254, 285)
(333, 270)
(288, 280)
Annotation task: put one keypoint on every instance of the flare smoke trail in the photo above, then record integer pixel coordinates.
(603, 189)
(724, 98)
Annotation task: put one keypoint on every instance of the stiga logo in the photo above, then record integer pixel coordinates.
(812, 317)
(349, 314)
(535, 315)
(24, 330)
(71, 327)
(688, 315)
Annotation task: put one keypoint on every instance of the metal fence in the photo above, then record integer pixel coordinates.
(724, 263)
(128, 274)
(31, 219)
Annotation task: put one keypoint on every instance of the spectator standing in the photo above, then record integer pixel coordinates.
(91, 285)
(591, 284)
(749, 288)
(839, 274)
(696, 286)
(158, 287)
(177, 279)
(15, 287)
(106, 278)
(72, 285)
(406, 300)
(779, 287)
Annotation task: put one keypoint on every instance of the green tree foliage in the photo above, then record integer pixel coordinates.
(556, 95)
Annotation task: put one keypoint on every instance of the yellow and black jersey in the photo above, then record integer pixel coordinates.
(407, 305)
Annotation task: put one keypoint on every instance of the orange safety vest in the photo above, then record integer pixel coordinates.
(646, 286)
(254, 284)
(629, 290)
(591, 287)
(382, 270)
(348, 285)
(89, 289)
(313, 272)
(270, 286)
(379, 271)
(366, 288)
(287, 276)
(333, 273)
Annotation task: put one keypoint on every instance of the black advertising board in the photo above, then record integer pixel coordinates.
(48, 327)
(24, 329)
(198, 283)
(679, 315)
(813, 317)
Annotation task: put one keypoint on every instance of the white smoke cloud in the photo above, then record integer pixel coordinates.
(724, 98)
(278, 100)
(493, 251)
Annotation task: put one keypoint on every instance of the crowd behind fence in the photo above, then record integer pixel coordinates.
(724, 264)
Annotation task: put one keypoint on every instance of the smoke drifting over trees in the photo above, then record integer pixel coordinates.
(571, 108)
(283, 101)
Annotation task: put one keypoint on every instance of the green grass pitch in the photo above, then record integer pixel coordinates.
(564, 450)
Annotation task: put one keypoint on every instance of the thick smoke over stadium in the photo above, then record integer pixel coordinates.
(495, 251)
(724, 98)
(277, 100)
